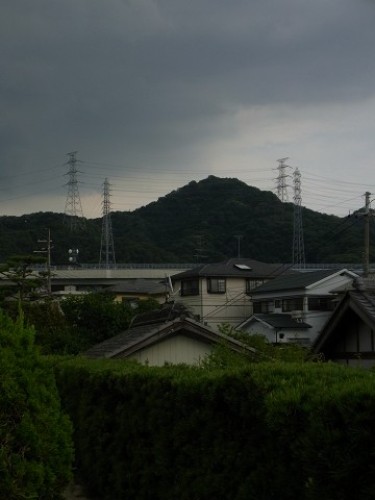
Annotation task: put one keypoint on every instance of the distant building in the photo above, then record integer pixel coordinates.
(295, 307)
(220, 293)
(348, 337)
(166, 340)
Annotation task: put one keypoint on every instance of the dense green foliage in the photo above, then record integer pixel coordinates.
(21, 282)
(35, 437)
(268, 431)
(197, 222)
(78, 322)
(97, 316)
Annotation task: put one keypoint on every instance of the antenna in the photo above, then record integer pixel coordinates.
(73, 207)
(238, 238)
(282, 191)
(107, 249)
(298, 253)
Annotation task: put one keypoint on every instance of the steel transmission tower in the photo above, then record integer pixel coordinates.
(298, 257)
(282, 186)
(73, 207)
(107, 258)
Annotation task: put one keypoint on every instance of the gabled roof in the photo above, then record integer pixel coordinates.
(361, 302)
(276, 321)
(139, 337)
(235, 267)
(300, 280)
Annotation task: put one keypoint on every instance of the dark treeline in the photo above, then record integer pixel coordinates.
(200, 222)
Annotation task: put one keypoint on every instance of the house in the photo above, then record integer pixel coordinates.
(133, 290)
(277, 328)
(135, 281)
(348, 336)
(294, 307)
(177, 340)
(220, 293)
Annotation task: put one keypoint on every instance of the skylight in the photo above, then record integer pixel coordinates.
(243, 267)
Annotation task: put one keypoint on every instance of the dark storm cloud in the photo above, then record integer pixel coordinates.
(149, 80)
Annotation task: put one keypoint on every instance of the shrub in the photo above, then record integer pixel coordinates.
(35, 437)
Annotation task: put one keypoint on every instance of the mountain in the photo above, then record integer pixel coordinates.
(205, 221)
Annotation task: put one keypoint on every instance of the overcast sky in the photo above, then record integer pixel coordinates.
(156, 93)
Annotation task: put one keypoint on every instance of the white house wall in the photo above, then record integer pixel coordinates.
(176, 349)
(326, 286)
(323, 288)
(273, 335)
(214, 309)
(317, 320)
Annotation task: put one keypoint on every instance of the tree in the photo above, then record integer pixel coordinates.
(223, 357)
(96, 316)
(35, 437)
(23, 282)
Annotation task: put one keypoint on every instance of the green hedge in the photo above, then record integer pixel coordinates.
(36, 448)
(270, 431)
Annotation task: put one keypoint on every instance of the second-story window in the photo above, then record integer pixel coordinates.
(263, 306)
(190, 287)
(216, 285)
(294, 304)
(252, 283)
(321, 304)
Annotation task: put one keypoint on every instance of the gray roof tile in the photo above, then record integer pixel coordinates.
(228, 268)
(281, 321)
(295, 281)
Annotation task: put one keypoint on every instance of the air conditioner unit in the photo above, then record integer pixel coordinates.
(297, 315)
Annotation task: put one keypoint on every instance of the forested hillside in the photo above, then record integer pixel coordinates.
(200, 222)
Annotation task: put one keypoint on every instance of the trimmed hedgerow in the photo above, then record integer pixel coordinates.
(269, 431)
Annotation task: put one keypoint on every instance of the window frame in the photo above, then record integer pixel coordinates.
(216, 285)
(189, 287)
(252, 284)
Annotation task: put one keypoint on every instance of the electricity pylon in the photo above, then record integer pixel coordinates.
(282, 186)
(298, 256)
(107, 258)
(73, 207)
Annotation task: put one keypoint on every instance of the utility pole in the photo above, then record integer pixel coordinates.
(239, 238)
(366, 253)
(47, 250)
(107, 257)
(366, 212)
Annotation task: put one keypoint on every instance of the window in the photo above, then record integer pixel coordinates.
(252, 283)
(216, 285)
(295, 304)
(262, 307)
(320, 304)
(190, 287)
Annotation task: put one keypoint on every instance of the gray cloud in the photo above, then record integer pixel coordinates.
(144, 83)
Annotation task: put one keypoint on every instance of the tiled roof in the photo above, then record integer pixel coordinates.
(130, 340)
(122, 341)
(365, 300)
(232, 267)
(281, 321)
(362, 302)
(295, 281)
